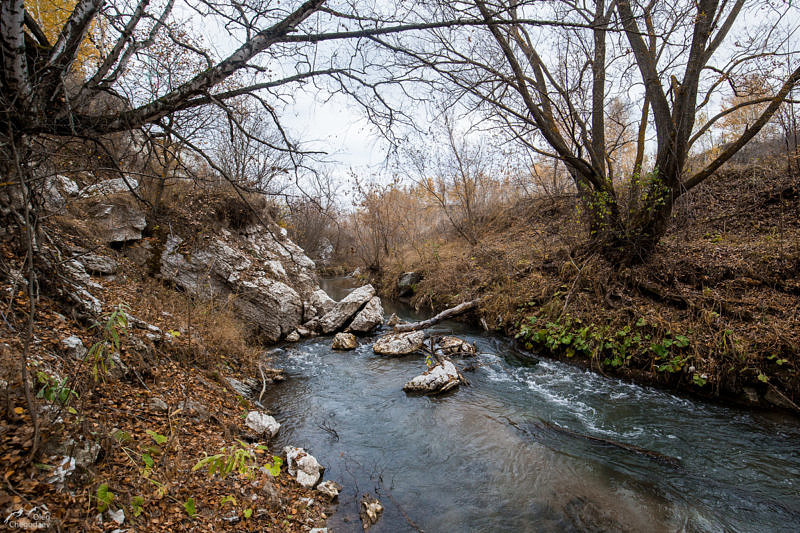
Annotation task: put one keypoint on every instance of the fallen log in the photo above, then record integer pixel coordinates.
(444, 315)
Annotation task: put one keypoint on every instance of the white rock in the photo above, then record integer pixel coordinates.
(329, 489)
(344, 341)
(442, 377)
(337, 317)
(454, 346)
(118, 223)
(399, 343)
(318, 304)
(294, 336)
(371, 510)
(158, 404)
(369, 317)
(73, 347)
(98, 264)
(262, 423)
(112, 186)
(117, 516)
(304, 467)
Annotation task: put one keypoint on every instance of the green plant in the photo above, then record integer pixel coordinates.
(104, 497)
(101, 354)
(190, 507)
(137, 505)
(240, 459)
(55, 391)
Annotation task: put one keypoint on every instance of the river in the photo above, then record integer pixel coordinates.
(490, 456)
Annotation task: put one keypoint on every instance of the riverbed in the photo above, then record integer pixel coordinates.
(509, 453)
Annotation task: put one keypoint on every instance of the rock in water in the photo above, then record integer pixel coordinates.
(407, 283)
(317, 305)
(302, 466)
(440, 378)
(262, 423)
(344, 341)
(337, 317)
(399, 343)
(369, 317)
(293, 336)
(329, 489)
(455, 346)
(371, 510)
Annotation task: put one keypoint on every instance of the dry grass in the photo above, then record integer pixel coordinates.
(727, 275)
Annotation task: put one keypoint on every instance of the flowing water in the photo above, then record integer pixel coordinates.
(494, 456)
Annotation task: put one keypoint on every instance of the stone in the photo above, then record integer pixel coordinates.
(318, 304)
(318, 530)
(262, 423)
(344, 341)
(82, 454)
(454, 346)
(393, 320)
(98, 264)
(302, 466)
(117, 223)
(329, 489)
(117, 516)
(344, 310)
(73, 347)
(194, 410)
(439, 378)
(294, 336)
(399, 343)
(242, 388)
(56, 191)
(158, 404)
(116, 369)
(221, 269)
(371, 510)
(368, 318)
(407, 283)
(750, 395)
(112, 186)
(774, 397)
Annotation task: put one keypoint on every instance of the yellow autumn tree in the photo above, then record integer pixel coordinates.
(51, 16)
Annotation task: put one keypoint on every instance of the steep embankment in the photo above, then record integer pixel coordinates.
(146, 356)
(714, 311)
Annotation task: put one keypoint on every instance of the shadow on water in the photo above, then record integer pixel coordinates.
(530, 446)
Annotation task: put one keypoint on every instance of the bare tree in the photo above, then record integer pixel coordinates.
(552, 88)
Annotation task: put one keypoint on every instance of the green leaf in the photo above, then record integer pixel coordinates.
(160, 439)
(189, 507)
(104, 497)
(227, 499)
(248, 513)
(147, 460)
(275, 468)
(137, 503)
(762, 378)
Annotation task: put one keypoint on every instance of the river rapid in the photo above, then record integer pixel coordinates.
(507, 452)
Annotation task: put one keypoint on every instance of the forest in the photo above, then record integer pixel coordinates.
(527, 265)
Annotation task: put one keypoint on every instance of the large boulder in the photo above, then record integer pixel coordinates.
(57, 191)
(219, 269)
(98, 264)
(112, 186)
(369, 317)
(317, 305)
(302, 466)
(399, 343)
(439, 378)
(117, 223)
(341, 314)
(407, 283)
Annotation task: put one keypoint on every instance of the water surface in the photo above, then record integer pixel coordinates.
(490, 456)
